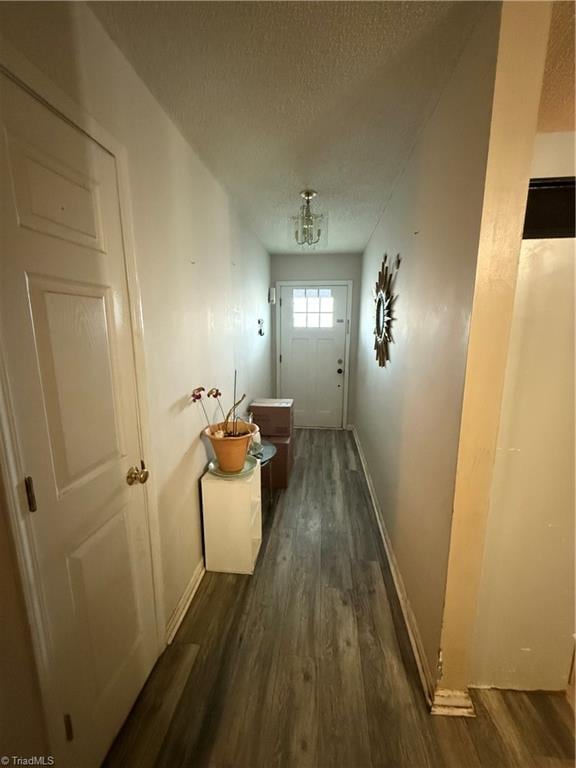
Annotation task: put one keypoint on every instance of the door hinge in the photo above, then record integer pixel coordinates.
(280, 300)
(280, 358)
(69, 730)
(348, 326)
(30, 495)
(439, 665)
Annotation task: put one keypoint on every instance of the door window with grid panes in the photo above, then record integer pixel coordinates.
(312, 308)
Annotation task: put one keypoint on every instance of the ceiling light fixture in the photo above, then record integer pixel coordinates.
(307, 226)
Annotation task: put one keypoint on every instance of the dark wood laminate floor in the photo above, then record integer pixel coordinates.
(307, 663)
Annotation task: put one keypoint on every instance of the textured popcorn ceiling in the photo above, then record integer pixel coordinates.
(557, 102)
(279, 96)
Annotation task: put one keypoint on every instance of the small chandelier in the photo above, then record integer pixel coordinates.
(307, 225)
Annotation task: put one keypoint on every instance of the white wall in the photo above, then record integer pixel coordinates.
(327, 266)
(204, 277)
(522, 44)
(525, 622)
(408, 414)
(553, 155)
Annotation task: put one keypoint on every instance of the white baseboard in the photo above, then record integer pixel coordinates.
(409, 618)
(184, 602)
(452, 704)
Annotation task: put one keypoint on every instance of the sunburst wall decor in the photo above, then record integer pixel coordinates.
(384, 301)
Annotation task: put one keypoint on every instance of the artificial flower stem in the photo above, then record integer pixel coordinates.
(229, 414)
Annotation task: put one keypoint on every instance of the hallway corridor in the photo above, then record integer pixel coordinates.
(307, 663)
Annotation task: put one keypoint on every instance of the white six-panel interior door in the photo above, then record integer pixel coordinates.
(69, 360)
(314, 322)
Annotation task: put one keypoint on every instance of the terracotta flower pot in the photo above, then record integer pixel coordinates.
(231, 451)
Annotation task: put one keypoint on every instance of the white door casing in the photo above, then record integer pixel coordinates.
(67, 348)
(313, 324)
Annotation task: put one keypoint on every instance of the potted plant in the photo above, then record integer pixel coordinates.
(231, 437)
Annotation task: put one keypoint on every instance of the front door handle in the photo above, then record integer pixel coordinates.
(135, 475)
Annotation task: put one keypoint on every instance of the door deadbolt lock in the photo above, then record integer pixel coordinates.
(339, 370)
(135, 475)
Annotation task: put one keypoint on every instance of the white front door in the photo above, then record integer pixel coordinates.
(67, 344)
(312, 355)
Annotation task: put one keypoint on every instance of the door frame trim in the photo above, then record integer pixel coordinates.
(17, 68)
(277, 322)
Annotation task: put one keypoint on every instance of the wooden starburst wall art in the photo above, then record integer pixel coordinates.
(384, 300)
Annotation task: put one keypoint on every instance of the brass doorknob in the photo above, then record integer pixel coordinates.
(135, 475)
